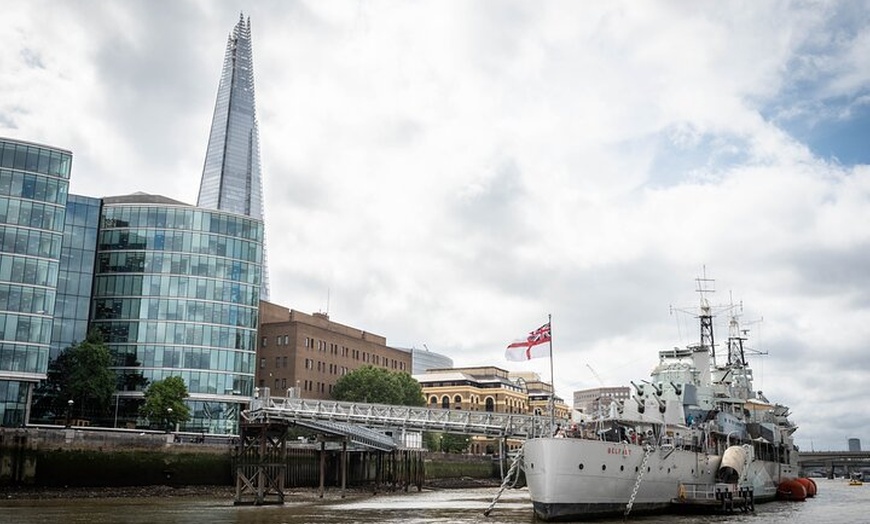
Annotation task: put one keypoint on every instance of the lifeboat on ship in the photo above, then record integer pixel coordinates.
(791, 489)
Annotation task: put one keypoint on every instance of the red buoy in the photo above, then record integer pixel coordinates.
(808, 485)
(791, 489)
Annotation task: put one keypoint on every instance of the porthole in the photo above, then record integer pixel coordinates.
(621, 468)
(581, 466)
(603, 467)
(648, 469)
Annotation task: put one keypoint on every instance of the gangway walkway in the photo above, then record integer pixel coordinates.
(345, 416)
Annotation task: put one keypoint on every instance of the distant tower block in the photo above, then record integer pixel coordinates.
(854, 444)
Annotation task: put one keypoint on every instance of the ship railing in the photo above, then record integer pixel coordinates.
(702, 491)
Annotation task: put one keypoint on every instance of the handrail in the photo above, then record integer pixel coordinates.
(482, 423)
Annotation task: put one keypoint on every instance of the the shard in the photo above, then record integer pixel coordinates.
(231, 177)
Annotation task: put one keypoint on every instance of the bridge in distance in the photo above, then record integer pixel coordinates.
(831, 461)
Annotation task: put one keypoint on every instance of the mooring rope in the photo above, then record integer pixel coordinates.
(512, 472)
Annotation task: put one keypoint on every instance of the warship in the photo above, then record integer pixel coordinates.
(694, 436)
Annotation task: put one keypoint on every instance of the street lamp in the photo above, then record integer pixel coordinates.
(69, 407)
(168, 419)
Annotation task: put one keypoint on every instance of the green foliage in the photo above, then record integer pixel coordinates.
(446, 442)
(81, 373)
(164, 402)
(379, 386)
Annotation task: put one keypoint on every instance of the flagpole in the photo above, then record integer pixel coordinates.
(552, 382)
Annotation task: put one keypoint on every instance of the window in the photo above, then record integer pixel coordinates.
(263, 363)
(264, 341)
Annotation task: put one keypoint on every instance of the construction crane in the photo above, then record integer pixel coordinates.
(596, 375)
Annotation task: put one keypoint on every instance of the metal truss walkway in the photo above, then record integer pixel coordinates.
(353, 420)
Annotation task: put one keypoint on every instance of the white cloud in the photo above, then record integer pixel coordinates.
(449, 173)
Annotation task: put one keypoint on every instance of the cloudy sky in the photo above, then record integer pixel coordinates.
(449, 173)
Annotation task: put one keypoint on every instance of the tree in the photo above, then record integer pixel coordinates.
(446, 442)
(379, 386)
(81, 374)
(164, 402)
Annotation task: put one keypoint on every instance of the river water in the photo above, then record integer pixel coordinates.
(836, 503)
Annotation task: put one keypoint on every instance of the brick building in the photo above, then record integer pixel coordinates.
(311, 352)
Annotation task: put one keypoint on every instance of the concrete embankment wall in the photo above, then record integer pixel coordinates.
(48, 457)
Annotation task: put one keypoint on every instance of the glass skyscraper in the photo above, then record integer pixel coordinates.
(176, 293)
(231, 177)
(34, 180)
(76, 275)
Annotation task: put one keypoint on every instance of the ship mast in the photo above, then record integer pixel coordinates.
(705, 285)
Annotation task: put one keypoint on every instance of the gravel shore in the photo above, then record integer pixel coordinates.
(228, 492)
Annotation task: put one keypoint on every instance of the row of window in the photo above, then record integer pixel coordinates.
(183, 241)
(35, 159)
(178, 264)
(182, 357)
(21, 328)
(177, 287)
(346, 352)
(26, 299)
(169, 309)
(31, 214)
(33, 271)
(177, 333)
(489, 403)
(190, 219)
(17, 241)
(197, 382)
(325, 367)
(23, 359)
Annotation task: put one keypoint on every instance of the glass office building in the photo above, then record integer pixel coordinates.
(76, 275)
(34, 181)
(176, 293)
(231, 175)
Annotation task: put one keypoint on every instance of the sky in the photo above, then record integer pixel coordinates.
(449, 174)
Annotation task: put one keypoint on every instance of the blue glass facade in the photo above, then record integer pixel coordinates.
(34, 180)
(231, 174)
(76, 274)
(176, 293)
(231, 178)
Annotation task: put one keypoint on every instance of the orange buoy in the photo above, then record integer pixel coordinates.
(791, 489)
(808, 485)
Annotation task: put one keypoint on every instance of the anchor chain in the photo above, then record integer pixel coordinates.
(513, 471)
(641, 471)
